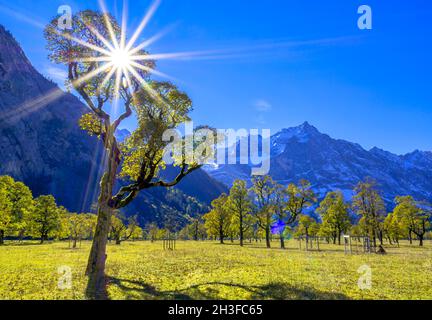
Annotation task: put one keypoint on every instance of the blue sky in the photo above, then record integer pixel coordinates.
(287, 62)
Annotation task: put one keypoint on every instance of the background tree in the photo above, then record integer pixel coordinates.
(136, 232)
(263, 189)
(45, 217)
(157, 106)
(369, 205)
(291, 202)
(335, 215)
(21, 200)
(218, 220)
(120, 231)
(77, 226)
(307, 226)
(133, 228)
(393, 228)
(414, 216)
(196, 229)
(5, 213)
(240, 205)
(91, 222)
(152, 231)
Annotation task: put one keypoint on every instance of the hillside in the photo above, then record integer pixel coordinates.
(42, 145)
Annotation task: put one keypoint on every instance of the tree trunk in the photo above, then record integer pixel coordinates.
(421, 240)
(241, 231)
(74, 245)
(221, 234)
(96, 265)
(410, 237)
(43, 237)
(1, 237)
(118, 241)
(282, 240)
(96, 285)
(267, 234)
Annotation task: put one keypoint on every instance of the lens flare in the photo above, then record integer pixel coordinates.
(120, 58)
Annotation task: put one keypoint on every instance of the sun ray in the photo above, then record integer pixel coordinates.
(92, 59)
(174, 55)
(31, 106)
(150, 70)
(123, 26)
(118, 83)
(93, 74)
(81, 42)
(128, 80)
(118, 59)
(99, 36)
(108, 24)
(143, 24)
(151, 40)
(145, 85)
(107, 78)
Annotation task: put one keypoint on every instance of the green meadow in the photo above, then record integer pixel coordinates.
(208, 270)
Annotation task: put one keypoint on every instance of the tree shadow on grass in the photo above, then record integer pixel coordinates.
(22, 244)
(211, 291)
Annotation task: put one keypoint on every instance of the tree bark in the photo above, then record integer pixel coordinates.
(221, 234)
(241, 231)
(267, 233)
(96, 265)
(74, 245)
(96, 285)
(44, 237)
(421, 240)
(282, 241)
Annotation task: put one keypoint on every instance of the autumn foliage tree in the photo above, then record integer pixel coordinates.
(290, 203)
(16, 204)
(369, 205)
(240, 205)
(45, 217)
(414, 216)
(218, 221)
(263, 191)
(335, 216)
(157, 106)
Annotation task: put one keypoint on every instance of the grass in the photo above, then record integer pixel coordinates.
(208, 270)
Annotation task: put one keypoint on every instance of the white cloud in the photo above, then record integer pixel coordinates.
(263, 106)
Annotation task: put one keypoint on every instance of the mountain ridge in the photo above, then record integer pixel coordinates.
(304, 152)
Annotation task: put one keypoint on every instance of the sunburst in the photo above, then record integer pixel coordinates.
(121, 59)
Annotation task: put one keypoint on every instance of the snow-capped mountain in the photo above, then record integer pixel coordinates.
(304, 153)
